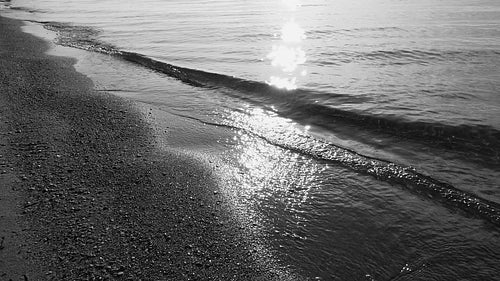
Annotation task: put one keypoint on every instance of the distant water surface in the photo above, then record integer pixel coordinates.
(433, 61)
(383, 160)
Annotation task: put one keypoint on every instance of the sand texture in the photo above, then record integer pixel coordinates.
(86, 195)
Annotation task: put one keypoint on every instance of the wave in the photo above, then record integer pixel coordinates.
(383, 170)
(396, 174)
(8, 4)
(330, 30)
(297, 105)
(407, 56)
(484, 140)
(4, 4)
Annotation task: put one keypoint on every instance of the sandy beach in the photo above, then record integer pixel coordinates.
(85, 193)
(249, 140)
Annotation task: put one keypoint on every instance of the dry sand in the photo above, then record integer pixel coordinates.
(84, 193)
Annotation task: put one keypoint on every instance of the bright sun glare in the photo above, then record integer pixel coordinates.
(287, 55)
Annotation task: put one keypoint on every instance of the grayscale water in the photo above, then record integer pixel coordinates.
(357, 140)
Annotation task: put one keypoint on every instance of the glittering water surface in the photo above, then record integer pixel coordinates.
(381, 160)
(427, 61)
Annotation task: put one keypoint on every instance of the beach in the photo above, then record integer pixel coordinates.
(86, 194)
(249, 140)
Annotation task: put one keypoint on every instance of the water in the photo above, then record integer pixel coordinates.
(381, 163)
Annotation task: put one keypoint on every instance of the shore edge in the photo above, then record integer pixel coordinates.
(97, 199)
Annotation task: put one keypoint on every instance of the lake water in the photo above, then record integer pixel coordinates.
(359, 139)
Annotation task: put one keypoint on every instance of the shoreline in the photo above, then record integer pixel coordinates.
(98, 199)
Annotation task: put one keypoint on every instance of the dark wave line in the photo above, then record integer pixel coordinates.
(408, 56)
(297, 104)
(403, 176)
(480, 139)
(320, 33)
(380, 169)
(484, 140)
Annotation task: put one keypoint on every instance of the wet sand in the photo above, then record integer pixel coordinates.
(86, 194)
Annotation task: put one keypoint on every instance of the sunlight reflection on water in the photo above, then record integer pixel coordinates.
(287, 55)
(268, 171)
(268, 187)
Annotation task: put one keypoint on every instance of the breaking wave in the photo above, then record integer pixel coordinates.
(298, 105)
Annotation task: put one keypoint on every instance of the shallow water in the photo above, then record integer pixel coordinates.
(382, 165)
